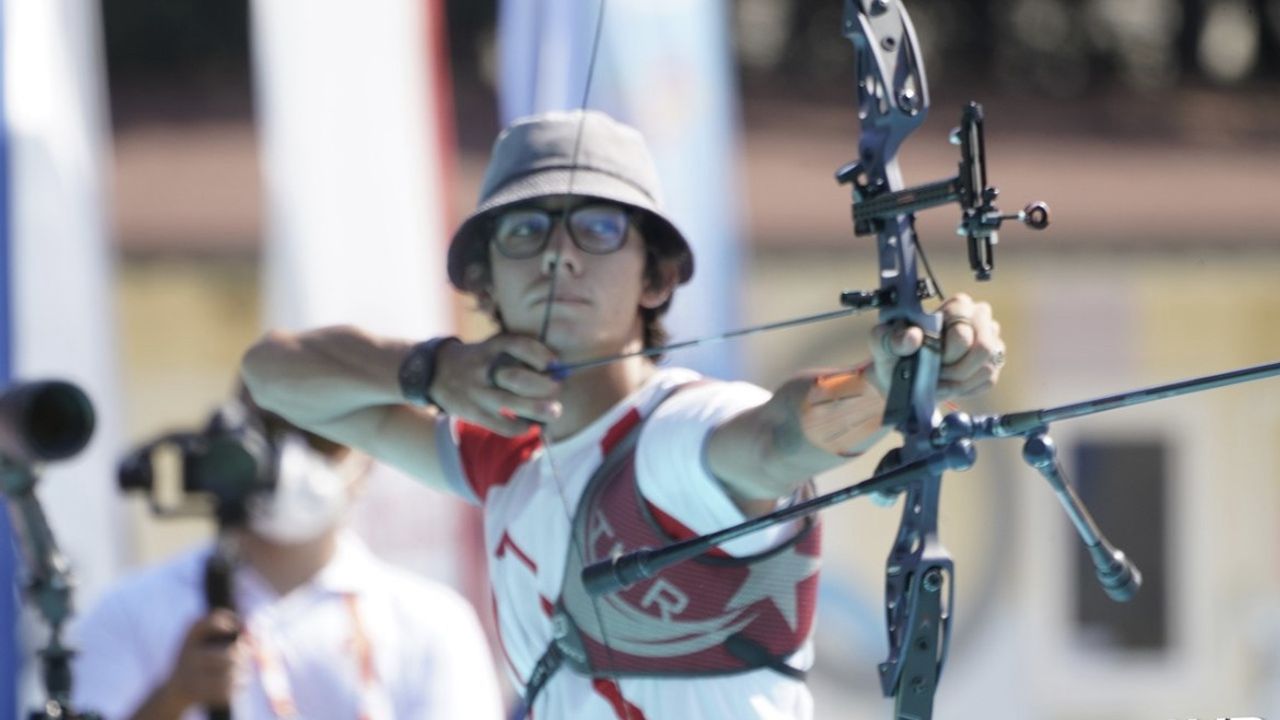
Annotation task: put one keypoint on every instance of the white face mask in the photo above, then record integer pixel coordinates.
(308, 500)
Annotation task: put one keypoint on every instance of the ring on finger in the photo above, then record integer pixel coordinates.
(886, 343)
(957, 320)
(492, 373)
(998, 358)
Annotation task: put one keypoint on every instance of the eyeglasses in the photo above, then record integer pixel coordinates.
(598, 229)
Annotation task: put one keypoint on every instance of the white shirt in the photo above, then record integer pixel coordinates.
(528, 503)
(429, 653)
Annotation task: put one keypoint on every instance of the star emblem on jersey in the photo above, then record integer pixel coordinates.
(775, 579)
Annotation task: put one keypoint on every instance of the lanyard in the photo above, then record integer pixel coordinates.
(275, 678)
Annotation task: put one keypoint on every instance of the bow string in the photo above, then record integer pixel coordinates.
(555, 269)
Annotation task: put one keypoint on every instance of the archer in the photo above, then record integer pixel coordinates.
(570, 252)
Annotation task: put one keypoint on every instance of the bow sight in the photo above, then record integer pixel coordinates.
(980, 220)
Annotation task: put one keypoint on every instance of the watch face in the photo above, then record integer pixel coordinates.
(413, 375)
(419, 368)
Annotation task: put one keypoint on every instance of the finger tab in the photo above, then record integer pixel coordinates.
(557, 370)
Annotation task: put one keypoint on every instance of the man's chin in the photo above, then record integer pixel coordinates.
(569, 337)
(572, 348)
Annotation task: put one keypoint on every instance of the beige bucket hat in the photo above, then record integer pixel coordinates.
(536, 157)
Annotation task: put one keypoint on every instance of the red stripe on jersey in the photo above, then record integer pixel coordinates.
(611, 692)
(547, 607)
(676, 529)
(619, 431)
(489, 459)
(507, 542)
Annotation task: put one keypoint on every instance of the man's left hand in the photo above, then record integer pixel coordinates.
(972, 351)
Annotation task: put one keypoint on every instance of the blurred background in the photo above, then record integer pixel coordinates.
(182, 175)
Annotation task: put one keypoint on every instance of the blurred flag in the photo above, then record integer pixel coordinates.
(664, 67)
(356, 149)
(57, 318)
(354, 115)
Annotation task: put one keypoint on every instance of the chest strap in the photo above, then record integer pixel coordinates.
(547, 666)
(741, 647)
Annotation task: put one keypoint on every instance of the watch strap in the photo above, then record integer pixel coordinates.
(418, 369)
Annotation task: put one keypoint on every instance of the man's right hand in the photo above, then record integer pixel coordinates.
(500, 383)
(344, 383)
(211, 663)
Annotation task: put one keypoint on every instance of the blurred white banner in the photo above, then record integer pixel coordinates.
(354, 115)
(59, 285)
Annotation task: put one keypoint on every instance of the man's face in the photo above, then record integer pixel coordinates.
(312, 492)
(595, 308)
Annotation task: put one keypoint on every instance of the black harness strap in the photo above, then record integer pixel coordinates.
(756, 655)
(547, 666)
(743, 648)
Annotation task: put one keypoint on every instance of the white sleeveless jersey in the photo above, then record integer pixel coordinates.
(529, 499)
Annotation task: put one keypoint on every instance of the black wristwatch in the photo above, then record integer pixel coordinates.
(418, 370)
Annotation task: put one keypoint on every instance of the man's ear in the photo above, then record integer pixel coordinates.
(478, 281)
(667, 277)
(355, 467)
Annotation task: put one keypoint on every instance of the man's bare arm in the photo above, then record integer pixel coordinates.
(813, 423)
(343, 383)
(818, 420)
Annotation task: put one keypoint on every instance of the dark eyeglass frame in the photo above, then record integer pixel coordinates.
(555, 218)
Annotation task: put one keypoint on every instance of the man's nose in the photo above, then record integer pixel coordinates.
(561, 249)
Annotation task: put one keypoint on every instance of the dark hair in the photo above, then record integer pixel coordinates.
(659, 251)
(275, 426)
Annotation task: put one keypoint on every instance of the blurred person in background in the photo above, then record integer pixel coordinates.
(322, 628)
(569, 251)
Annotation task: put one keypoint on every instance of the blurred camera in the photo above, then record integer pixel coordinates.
(216, 469)
(45, 420)
(40, 421)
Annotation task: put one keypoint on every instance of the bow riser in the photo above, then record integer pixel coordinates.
(893, 102)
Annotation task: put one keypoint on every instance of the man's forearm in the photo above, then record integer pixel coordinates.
(318, 376)
(810, 425)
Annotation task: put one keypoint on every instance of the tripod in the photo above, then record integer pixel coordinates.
(50, 587)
